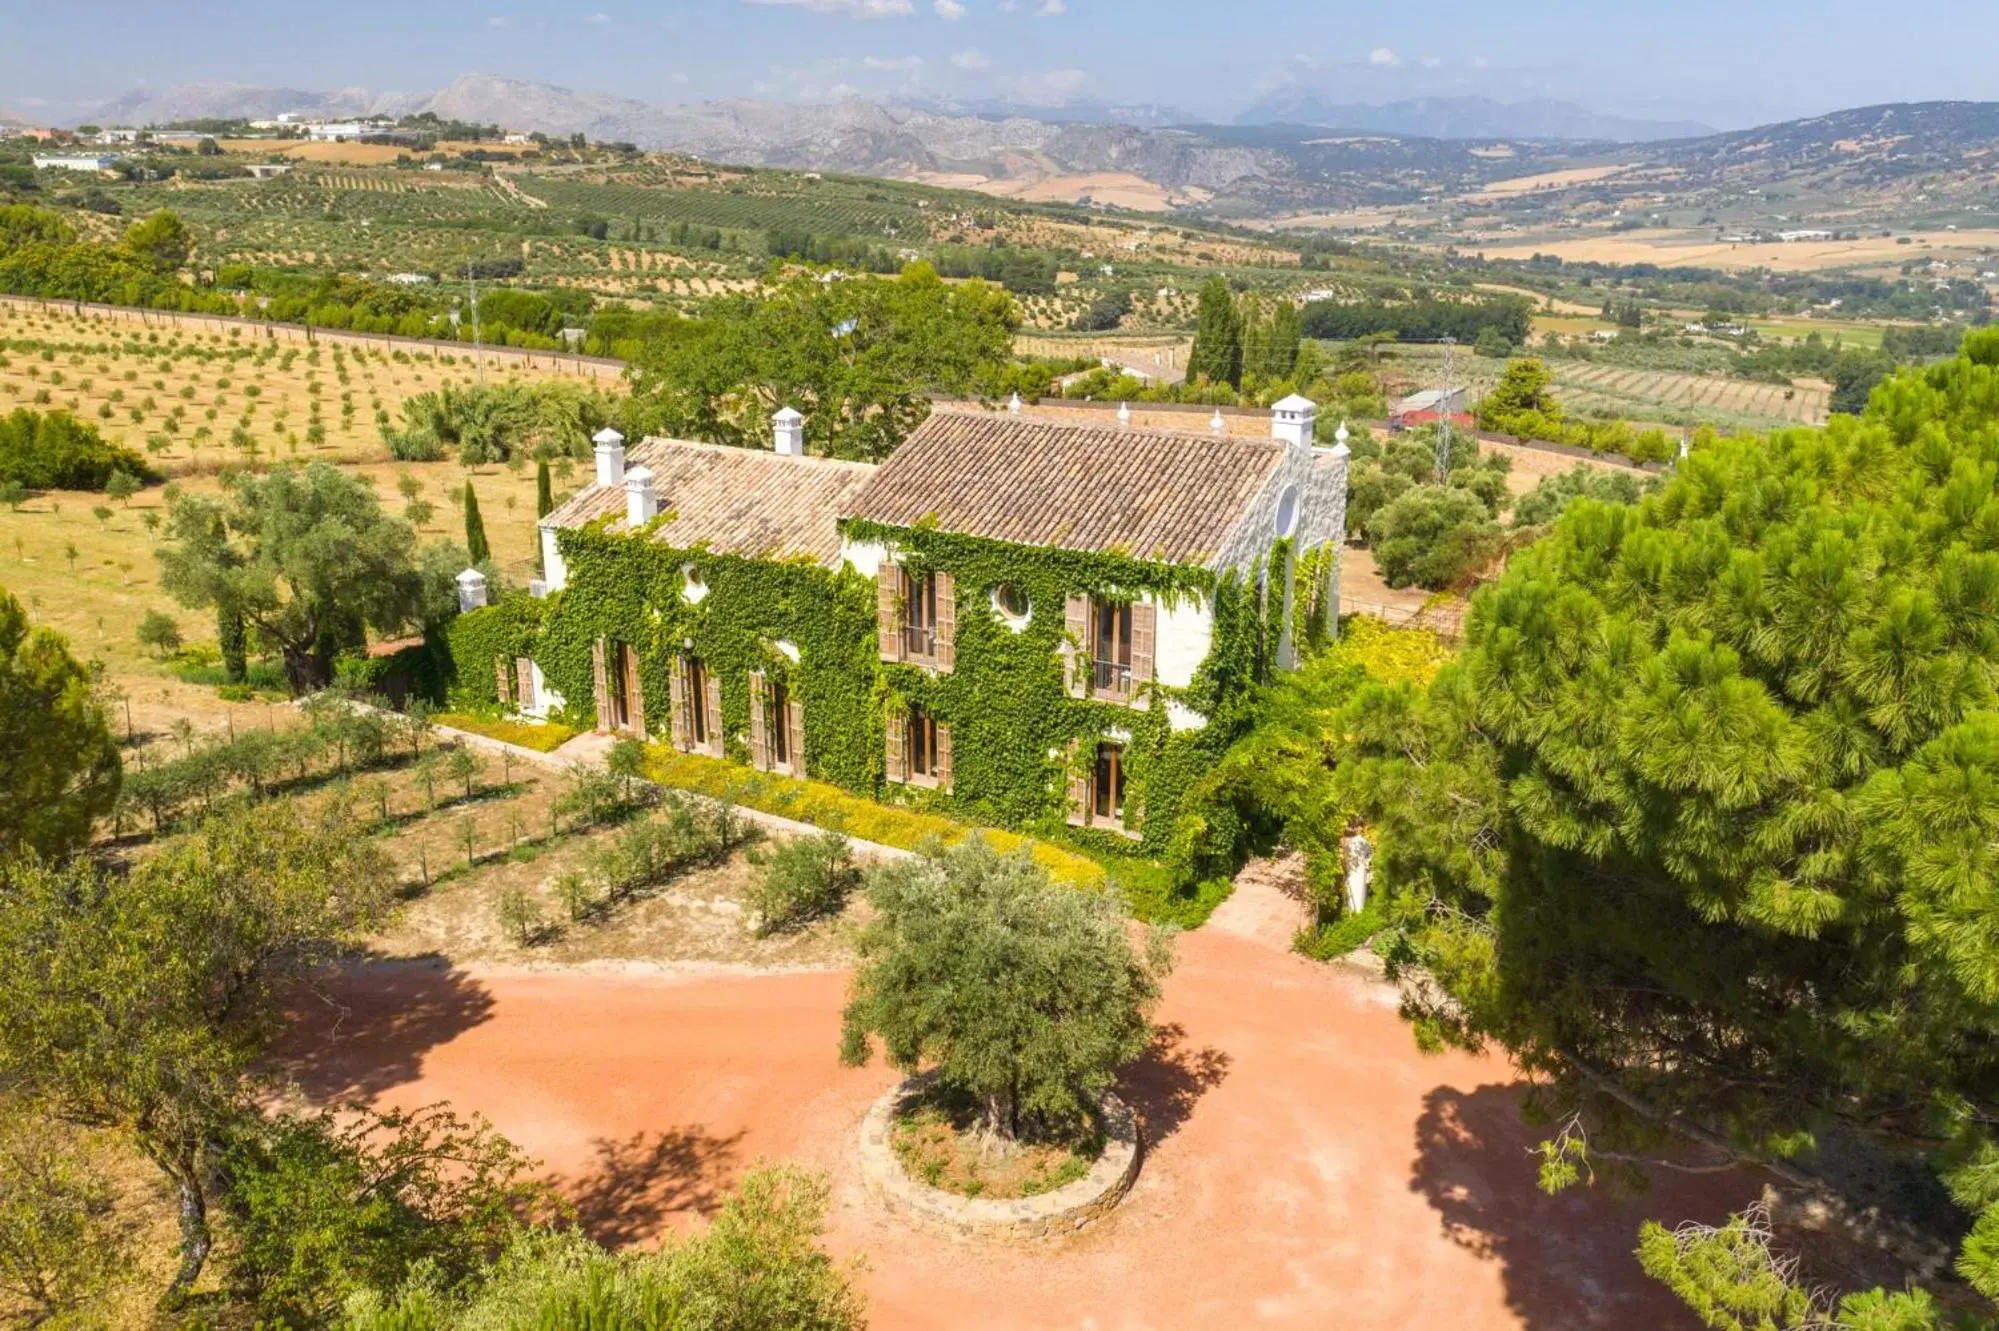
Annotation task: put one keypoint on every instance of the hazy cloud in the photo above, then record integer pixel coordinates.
(949, 10)
(1480, 62)
(1432, 61)
(1383, 57)
(599, 17)
(1047, 89)
(499, 21)
(849, 8)
(892, 62)
(972, 61)
(1050, 9)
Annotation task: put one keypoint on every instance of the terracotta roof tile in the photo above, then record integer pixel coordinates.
(735, 501)
(1154, 494)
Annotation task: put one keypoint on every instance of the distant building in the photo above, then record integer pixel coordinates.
(76, 162)
(349, 131)
(1791, 237)
(268, 170)
(1430, 406)
(409, 279)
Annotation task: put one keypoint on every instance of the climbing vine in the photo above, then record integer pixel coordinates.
(1006, 700)
(632, 589)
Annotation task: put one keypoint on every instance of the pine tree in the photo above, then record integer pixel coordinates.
(1699, 826)
(544, 491)
(1217, 351)
(475, 528)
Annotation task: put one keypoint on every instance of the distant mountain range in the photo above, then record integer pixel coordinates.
(1309, 156)
(1467, 118)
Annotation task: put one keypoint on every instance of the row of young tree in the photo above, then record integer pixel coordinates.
(1698, 828)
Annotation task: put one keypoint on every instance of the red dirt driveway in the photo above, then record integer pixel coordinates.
(1306, 1166)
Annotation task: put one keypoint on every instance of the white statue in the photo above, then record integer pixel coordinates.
(1359, 859)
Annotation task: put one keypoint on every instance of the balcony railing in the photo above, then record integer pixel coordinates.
(1112, 677)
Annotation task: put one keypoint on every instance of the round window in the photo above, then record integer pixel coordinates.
(1287, 511)
(1012, 604)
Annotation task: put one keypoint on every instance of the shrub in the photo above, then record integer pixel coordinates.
(159, 632)
(802, 880)
(55, 451)
(59, 1241)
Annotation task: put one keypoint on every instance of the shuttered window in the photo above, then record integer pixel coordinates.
(919, 750)
(524, 693)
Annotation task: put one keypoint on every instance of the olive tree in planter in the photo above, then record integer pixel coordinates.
(1023, 995)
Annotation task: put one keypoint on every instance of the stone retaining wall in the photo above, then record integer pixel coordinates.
(1062, 1211)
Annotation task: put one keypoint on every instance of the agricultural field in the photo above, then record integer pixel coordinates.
(1653, 395)
(84, 564)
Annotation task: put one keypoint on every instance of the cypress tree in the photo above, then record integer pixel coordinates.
(475, 528)
(1217, 349)
(1286, 336)
(230, 634)
(544, 491)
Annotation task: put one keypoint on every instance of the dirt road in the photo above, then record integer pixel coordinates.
(1306, 1166)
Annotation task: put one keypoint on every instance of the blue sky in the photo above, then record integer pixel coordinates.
(1728, 62)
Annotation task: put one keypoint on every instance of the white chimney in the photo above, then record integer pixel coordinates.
(610, 456)
(1216, 424)
(1291, 420)
(1124, 415)
(641, 504)
(1013, 405)
(471, 590)
(787, 429)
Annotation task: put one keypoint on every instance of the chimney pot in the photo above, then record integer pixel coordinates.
(471, 590)
(788, 432)
(1292, 420)
(610, 456)
(641, 503)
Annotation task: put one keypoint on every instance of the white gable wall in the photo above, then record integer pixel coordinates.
(554, 571)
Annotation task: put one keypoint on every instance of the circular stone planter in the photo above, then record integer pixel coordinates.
(1066, 1209)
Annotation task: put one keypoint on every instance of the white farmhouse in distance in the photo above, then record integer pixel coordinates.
(75, 161)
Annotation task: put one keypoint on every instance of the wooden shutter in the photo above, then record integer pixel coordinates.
(759, 733)
(524, 677)
(502, 684)
(1079, 786)
(943, 757)
(715, 745)
(683, 720)
(794, 724)
(888, 611)
(1076, 617)
(947, 623)
(635, 692)
(1144, 639)
(600, 679)
(897, 727)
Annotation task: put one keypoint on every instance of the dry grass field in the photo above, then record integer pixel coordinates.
(1547, 180)
(1700, 249)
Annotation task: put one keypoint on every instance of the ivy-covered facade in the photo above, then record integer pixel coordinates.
(1034, 625)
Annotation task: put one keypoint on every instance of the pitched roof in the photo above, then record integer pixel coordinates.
(734, 501)
(1153, 494)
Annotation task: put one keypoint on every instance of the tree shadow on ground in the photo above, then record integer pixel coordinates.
(636, 1184)
(1567, 1261)
(1165, 1084)
(366, 1026)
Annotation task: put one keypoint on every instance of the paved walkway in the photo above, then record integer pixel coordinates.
(1306, 1167)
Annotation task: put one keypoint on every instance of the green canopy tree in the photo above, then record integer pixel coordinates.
(161, 241)
(1217, 350)
(59, 768)
(544, 490)
(860, 358)
(1703, 826)
(142, 1002)
(309, 561)
(1026, 996)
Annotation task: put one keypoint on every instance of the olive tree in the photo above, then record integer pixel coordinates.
(1026, 996)
(309, 561)
(140, 1002)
